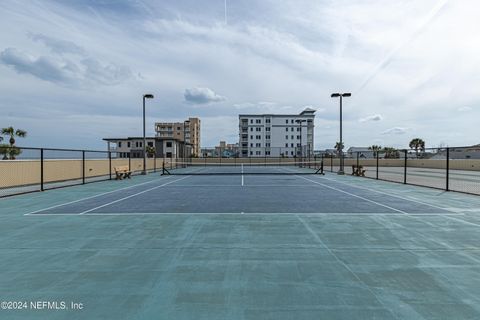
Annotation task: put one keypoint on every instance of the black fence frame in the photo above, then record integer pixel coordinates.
(84, 179)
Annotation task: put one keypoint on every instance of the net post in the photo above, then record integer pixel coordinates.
(405, 168)
(110, 165)
(358, 160)
(378, 155)
(41, 169)
(447, 174)
(130, 161)
(331, 163)
(83, 166)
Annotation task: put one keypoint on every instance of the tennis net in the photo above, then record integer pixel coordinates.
(242, 167)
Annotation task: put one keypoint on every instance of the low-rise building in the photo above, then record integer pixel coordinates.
(132, 147)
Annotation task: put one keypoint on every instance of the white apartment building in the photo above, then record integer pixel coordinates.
(276, 135)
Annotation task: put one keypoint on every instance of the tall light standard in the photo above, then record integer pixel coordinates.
(300, 121)
(341, 95)
(145, 96)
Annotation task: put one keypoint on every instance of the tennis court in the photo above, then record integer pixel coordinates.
(243, 242)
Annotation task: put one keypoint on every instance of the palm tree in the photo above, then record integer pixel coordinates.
(339, 147)
(416, 144)
(150, 151)
(391, 153)
(11, 151)
(375, 149)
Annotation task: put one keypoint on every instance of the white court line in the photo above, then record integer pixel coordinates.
(245, 213)
(133, 195)
(91, 197)
(242, 176)
(388, 194)
(353, 195)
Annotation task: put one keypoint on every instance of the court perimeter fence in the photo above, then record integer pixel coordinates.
(39, 169)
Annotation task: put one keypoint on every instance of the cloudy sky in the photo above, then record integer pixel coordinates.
(73, 72)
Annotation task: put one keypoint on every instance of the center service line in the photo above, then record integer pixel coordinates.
(242, 175)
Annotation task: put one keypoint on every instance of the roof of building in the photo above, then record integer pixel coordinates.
(306, 112)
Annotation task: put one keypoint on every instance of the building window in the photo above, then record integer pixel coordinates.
(258, 153)
(298, 129)
(251, 153)
(267, 137)
(150, 144)
(169, 144)
(251, 120)
(291, 153)
(267, 129)
(267, 153)
(286, 129)
(258, 137)
(119, 144)
(267, 120)
(292, 137)
(128, 144)
(258, 129)
(251, 137)
(251, 129)
(286, 137)
(286, 121)
(292, 145)
(267, 144)
(258, 121)
(251, 145)
(258, 145)
(298, 137)
(286, 145)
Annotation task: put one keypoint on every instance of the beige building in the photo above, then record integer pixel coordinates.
(187, 131)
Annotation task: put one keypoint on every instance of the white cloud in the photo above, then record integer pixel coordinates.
(57, 46)
(202, 96)
(63, 71)
(465, 109)
(374, 117)
(396, 130)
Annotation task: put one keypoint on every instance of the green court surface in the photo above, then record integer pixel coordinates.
(242, 247)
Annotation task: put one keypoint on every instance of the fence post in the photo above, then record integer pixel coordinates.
(331, 163)
(358, 161)
(447, 187)
(83, 166)
(378, 155)
(154, 163)
(110, 164)
(41, 169)
(130, 161)
(405, 168)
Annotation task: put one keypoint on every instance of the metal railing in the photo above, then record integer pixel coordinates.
(24, 170)
(449, 169)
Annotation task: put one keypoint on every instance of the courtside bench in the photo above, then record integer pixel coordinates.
(122, 172)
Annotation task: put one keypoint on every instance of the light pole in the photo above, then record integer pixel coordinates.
(300, 121)
(144, 172)
(341, 95)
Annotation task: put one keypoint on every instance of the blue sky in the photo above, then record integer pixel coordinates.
(73, 72)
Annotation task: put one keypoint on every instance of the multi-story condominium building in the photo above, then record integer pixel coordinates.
(276, 135)
(187, 131)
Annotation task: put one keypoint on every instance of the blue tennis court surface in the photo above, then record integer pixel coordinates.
(243, 247)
